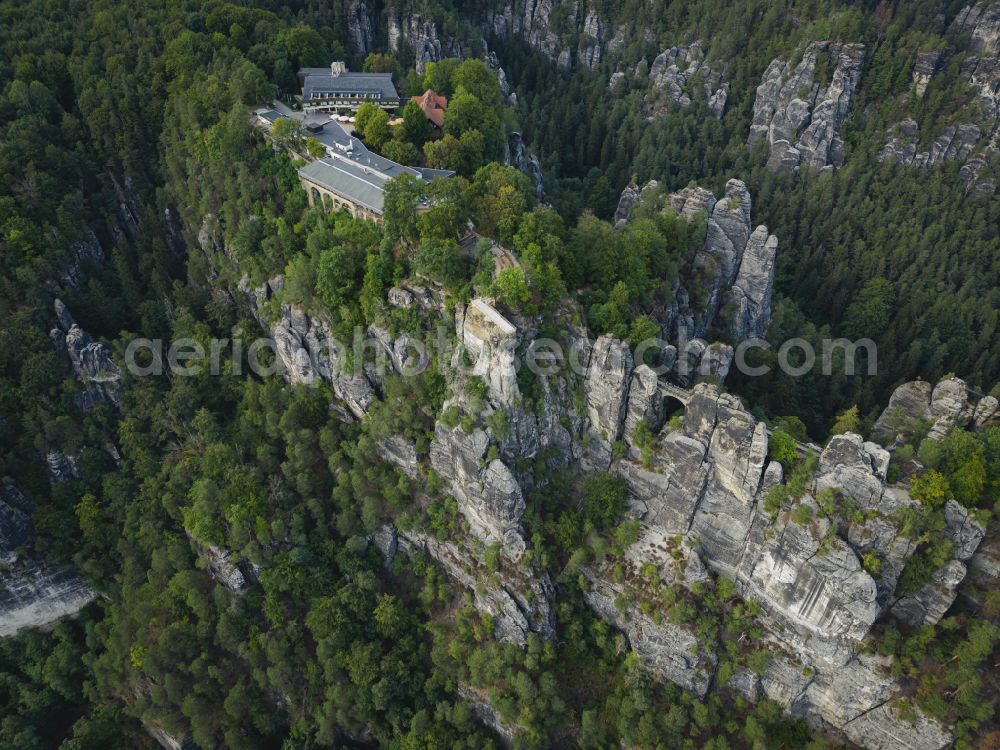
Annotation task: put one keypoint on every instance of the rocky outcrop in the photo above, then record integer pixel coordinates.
(91, 360)
(408, 295)
(491, 340)
(488, 495)
(678, 72)
(531, 20)
(856, 699)
(421, 36)
(86, 251)
(62, 467)
(306, 350)
(166, 740)
(16, 527)
(909, 402)
(588, 52)
(631, 197)
(706, 482)
(35, 596)
(734, 267)
(943, 407)
(668, 651)
(478, 700)
(386, 542)
(976, 141)
(925, 65)
(607, 386)
(987, 413)
(516, 155)
(606, 395)
(221, 564)
(751, 292)
(827, 601)
(645, 404)
(361, 27)
(800, 112)
(32, 595)
(517, 601)
(953, 143)
(726, 290)
(928, 605)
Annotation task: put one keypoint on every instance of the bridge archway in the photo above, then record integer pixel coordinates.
(672, 408)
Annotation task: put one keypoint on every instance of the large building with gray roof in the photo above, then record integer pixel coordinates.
(336, 88)
(356, 183)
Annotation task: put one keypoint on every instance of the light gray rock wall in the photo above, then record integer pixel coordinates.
(800, 117)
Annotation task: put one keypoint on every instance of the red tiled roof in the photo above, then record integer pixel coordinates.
(433, 106)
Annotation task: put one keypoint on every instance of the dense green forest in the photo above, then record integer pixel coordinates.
(842, 235)
(127, 125)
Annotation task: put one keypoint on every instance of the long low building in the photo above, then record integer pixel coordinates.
(341, 181)
(350, 176)
(337, 182)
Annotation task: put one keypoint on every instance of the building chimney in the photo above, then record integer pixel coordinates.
(337, 67)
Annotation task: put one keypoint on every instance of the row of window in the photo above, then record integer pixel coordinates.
(333, 94)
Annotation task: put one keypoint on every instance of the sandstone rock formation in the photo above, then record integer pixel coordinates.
(35, 596)
(800, 112)
(733, 271)
(943, 407)
(91, 360)
(62, 467)
(706, 482)
(516, 155)
(974, 142)
(720, 262)
(531, 21)
(518, 602)
(361, 26)
(588, 52)
(32, 595)
(751, 292)
(703, 480)
(306, 349)
(221, 564)
(668, 651)
(84, 251)
(674, 75)
(631, 196)
(422, 38)
(16, 527)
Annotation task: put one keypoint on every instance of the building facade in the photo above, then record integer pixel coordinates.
(337, 89)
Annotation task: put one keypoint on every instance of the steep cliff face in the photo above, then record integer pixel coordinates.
(306, 349)
(733, 270)
(518, 601)
(421, 36)
(944, 406)
(706, 482)
(32, 595)
(91, 360)
(35, 596)
(362, 25)
(532, 20)
(669, 651)
(800, 112)
(674, 75)
(726, 291)
(489, 495)
(975, 142)
(516, 155)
